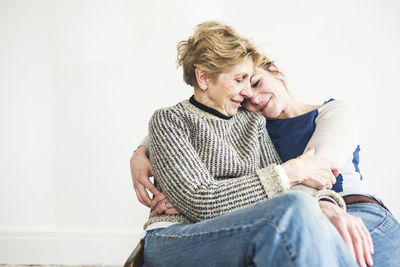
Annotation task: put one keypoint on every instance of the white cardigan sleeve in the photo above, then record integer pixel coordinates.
(146, 141)
(335, 136)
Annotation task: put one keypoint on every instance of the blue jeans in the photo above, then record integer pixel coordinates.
(288, 230)
(385, 232)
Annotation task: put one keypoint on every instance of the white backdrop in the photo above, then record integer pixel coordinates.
(80, 79)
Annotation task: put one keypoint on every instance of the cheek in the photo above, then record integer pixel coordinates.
(264, 89)
(247, 105)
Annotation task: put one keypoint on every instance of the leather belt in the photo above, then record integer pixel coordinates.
(360, 199)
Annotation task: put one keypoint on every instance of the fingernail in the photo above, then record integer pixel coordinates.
(370, 261)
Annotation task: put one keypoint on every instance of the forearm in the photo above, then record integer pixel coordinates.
(200, 196)
(335, 136)
(191, 185)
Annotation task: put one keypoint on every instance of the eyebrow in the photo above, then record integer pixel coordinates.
(243, 74)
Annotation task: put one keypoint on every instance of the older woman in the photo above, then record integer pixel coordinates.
(217, 166)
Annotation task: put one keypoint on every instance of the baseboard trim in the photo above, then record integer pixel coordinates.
(66, 247)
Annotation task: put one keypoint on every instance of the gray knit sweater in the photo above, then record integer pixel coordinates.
(208, 166)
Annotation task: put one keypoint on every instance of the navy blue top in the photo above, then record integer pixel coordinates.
(291, 136)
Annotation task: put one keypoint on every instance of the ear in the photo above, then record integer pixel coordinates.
(273, 68)
(202, 79)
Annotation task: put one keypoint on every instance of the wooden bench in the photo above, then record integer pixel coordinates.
(136, 257)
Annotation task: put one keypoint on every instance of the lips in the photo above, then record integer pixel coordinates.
(264, 106)
(238, 103)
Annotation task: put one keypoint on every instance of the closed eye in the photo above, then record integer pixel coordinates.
(255, 84)
(242, 78)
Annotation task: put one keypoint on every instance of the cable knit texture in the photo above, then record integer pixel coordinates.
(319, 193)
(271, 180)
(208, 166)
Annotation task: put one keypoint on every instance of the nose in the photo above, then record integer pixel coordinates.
(255, 99)
(246, 91)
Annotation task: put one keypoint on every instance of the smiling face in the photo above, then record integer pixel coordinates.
(270, 96)
(229, 89)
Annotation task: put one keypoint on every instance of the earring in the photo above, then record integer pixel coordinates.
(280, 76)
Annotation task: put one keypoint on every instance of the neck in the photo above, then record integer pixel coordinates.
(201, 97)
(208, 108)
(296, 108)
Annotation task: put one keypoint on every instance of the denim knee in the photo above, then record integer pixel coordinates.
(298, 200)
(299, 204)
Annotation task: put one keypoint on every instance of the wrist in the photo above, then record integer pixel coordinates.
(331, 195)
(141, 150)
(329, 209)
(292, 170)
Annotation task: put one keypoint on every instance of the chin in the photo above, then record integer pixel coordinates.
(267, 115)
(271, 113)
(233, 112)
(271, 116)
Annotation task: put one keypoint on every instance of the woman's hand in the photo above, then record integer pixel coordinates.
(312, 171)
(160, 204)
(353, 231)
(141, 170)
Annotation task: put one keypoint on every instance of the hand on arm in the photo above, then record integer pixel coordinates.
(353, 231)
(141, 170)
(312, 171)
(161, 205)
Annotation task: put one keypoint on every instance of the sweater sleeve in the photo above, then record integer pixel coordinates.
(335, 136)
(268, 156)
(145, 142)
(186, 181)
(320, 194)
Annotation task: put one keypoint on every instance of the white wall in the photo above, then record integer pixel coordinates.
(79, 81)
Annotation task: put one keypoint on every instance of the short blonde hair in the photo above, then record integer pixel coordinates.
(213, 48)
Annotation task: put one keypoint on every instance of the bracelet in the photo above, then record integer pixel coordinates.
(328, 199)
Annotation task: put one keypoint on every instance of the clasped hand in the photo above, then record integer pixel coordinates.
(141, 171)
(315, 172)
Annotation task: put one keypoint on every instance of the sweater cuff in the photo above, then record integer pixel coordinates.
(274, 180)
(329, 194)
(145, 142)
